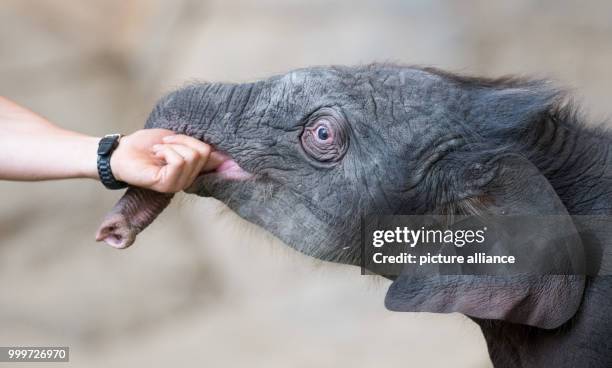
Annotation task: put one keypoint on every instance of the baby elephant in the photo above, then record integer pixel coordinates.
(310, 153)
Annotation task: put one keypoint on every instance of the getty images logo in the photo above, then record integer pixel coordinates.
(412, 238)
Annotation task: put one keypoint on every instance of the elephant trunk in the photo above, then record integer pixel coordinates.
(133, 213)
(212, 112)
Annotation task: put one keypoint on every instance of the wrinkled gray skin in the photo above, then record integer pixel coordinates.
(415, 141)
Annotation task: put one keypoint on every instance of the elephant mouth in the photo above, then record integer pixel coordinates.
(229, 169)
(226, 169)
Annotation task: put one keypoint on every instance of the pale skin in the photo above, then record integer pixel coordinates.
(32, 148)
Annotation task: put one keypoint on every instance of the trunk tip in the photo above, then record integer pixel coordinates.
(116, 232)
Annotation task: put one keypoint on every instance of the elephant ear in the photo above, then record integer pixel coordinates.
(511, 186)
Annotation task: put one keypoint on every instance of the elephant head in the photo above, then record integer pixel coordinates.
(308, 154)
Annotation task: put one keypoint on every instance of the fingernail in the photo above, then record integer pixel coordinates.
(157, 147)
(168, 138)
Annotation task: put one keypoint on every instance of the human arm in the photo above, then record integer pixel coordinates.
(32, 148)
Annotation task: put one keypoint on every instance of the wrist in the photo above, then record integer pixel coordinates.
(106, 147)
(88, 154)
(116, 165)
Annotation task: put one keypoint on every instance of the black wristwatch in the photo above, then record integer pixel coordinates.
(106, 147)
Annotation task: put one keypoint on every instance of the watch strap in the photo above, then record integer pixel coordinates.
(106, 147)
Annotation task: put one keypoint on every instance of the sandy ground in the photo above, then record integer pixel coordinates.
(201, 286)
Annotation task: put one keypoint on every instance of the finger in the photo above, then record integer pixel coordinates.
(190, 155)
(160, 132)
(203, 148)
(194, 163)
(214, 160)
(170, 174)
(152, 135)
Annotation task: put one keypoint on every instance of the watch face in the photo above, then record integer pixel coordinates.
(107, 144)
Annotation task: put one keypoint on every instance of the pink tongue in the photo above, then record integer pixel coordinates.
(229, 169)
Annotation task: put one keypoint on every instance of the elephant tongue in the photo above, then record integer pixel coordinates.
(132, 214)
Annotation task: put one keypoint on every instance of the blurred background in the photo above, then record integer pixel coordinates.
(201, 286)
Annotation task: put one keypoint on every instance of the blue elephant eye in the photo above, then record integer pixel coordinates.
(322, 133)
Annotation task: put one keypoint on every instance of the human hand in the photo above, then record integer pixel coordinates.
(155, 159)
(161, 160)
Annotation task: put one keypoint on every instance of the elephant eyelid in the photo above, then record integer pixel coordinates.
(324, 137)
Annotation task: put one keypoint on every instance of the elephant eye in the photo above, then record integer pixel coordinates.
(322, 133)
(325, 136)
